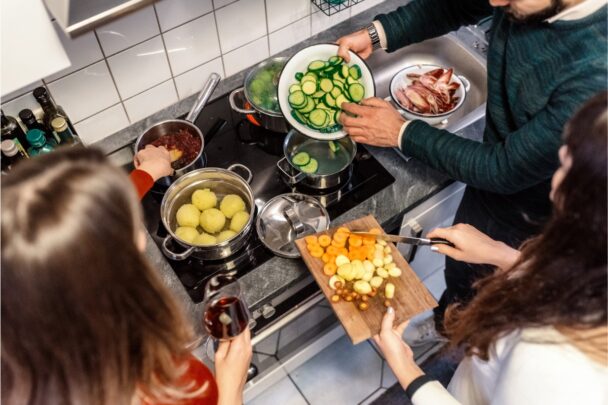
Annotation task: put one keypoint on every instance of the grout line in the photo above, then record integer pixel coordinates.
(217, 33)
(98, 112)
(225, 5)
(180, 24)
(105, 59)
(77, 70)
(162, 38)
(298, 388)
(148, 89)
(267, 28)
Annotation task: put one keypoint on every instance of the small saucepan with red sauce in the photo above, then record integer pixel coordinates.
(182, 138)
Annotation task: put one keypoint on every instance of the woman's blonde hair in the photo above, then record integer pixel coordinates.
(85, 318)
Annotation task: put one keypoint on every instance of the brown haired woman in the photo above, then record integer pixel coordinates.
(536, 333)
(85, 318)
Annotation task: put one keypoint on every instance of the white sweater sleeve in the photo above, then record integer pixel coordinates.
(433, 393)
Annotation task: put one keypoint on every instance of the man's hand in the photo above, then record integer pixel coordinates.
(156, 161)
(473, 246)
(359, 42)
(397, 353)
(232, 361)
(374, 122)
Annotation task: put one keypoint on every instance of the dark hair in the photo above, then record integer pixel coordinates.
(561, 276)
(85, 319)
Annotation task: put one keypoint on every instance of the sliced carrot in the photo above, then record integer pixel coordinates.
(324, 240)
(343, 229)
(369, 241)
(355, 241)
(311, 240)
(325, 257)
(343, 251)
(311, 246)
(317, 252)
(332, 250)
(376, 231)
(340, 237)
(337, 244)
(330, 269)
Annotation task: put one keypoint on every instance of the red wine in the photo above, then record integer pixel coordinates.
(226, 318)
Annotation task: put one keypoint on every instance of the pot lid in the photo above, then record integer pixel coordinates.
(288, 217)
(261, 86)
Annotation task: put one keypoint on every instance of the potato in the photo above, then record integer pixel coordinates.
(382, 272)
(231, 204)
(376, 282)
(239, 220)
(186, 233)
(225, 235)
(188, 215)
(394, 272)
(389, 291)
(204, 199)
(205, 239)
(334, 279)
(341, 259)
(212, 220)
(362, 287)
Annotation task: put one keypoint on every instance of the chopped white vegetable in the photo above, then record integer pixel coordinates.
(341, 259)
(389, 291)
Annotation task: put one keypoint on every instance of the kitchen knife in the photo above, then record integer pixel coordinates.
(408, 239)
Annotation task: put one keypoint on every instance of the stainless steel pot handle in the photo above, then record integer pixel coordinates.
(291, 179)
(203, 96)
(294, 221)
(242, 167)
(232, 101)
(466, 82)
(171, 254)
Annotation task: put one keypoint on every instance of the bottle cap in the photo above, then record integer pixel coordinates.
(36, 137)
(41, 94)
(27, 115)
(9, 148)
(59, 124)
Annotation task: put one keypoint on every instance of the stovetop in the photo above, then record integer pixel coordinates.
(231, 138)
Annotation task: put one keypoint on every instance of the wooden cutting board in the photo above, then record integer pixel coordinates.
(411, 296)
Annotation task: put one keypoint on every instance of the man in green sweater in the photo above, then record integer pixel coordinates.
(545, 59)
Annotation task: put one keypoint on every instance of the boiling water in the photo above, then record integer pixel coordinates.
(330, 162)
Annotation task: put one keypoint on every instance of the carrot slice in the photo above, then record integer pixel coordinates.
(369, 241)
(343, 251)
(324, 240)
(343, 229)
(332, 250)
(330, 269)
(340, 237)
(317, 252)
(338, 244)
(376, 231)
(311, 240)
(355, 241)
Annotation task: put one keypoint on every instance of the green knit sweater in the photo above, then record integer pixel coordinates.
(537, 77)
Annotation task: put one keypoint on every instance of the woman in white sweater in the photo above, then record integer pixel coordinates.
(536, 333)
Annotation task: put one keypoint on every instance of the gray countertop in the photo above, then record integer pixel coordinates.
(414, 183)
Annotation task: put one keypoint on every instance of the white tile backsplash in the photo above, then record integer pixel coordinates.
(150, 101)
(82, 51)
(246, 56)
(240, 23)
(172, 13)
(290, 35)
(281, 13)
(192, 44)
(192, 81)
(128, 30)
(139, 68)
(147, 67)
(102, 124)
(85, 92)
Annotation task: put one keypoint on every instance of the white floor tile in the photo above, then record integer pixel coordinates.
(340, 374)
(282, 393)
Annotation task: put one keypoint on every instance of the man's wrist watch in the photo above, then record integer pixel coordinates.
(373, 34)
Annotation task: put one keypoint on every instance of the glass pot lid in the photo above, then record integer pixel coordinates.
(261, 86)
(288, 217)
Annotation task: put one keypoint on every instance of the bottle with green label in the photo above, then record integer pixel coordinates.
(39, 143)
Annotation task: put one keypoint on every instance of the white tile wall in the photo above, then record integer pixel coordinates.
(149, 70)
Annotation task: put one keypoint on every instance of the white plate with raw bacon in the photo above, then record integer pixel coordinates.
(429, 93)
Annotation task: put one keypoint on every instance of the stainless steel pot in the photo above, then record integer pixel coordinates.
(292, 175)
(221, 182)
(171, 126)
(242, 102)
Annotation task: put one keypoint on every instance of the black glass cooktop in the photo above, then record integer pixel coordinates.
(231, 138)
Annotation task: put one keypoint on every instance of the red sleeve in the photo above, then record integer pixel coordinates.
(142, 181)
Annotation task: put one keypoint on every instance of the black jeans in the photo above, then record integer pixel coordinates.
(460, 276)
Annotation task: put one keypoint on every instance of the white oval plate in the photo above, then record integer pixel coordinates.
(299, 63)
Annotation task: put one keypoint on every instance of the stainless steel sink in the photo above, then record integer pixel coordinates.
(446, 51)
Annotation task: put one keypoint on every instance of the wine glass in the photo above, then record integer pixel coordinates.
(225, 313)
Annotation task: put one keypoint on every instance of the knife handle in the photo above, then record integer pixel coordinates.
(441, 241)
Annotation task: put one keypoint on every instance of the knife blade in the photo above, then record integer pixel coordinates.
(410, 240)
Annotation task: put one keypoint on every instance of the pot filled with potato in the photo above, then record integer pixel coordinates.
(209, 212)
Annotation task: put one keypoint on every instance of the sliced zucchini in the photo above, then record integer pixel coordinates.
(297, 99)
(340, 99)
(355, 72)
(335, 60)
(335, 92)
(350, 81)
(294, 87)
(339, 85)
(326, 85)
(329, 100)
(337, 117)
(310, 105)
(356, 92)
(309, 77)
(317, 117)
(309, 88)
(344, 71)
(333, 146)
(311, 167)
(299, 117)
(300, 159)
(330, 129)
(316, 65)
(319, 94)
(299, 76)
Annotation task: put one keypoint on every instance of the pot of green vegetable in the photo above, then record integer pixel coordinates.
(315, 163)
(258, 99)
